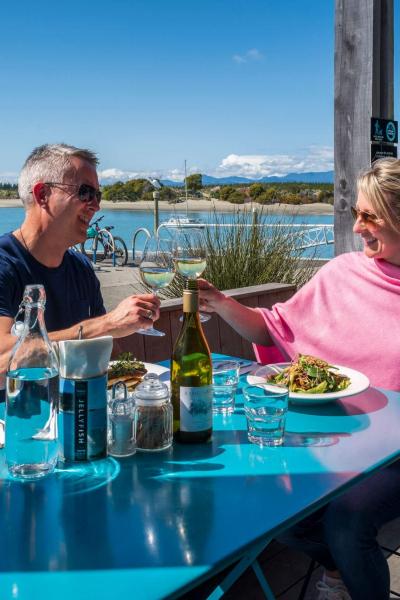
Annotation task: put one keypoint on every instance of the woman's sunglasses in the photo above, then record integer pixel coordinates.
(86, 193)
(365, 216)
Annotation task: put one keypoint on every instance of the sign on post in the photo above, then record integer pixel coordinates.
(384, 130)
(382, 151)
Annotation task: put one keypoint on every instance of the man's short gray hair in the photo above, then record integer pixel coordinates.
(50, 162)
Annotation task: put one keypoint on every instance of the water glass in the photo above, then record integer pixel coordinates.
(265, 411)
(225, 381)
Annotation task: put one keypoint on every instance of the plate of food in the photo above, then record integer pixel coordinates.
(311, 380)
(131, 371)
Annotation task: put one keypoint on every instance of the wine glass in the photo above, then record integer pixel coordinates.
(156, 269)
(190, 255)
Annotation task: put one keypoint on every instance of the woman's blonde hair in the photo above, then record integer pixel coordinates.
(381, 185)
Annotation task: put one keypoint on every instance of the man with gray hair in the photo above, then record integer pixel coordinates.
(59, 188)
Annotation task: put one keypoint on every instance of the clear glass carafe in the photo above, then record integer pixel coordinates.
(32, 394)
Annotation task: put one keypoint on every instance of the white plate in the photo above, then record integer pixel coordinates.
(359, 383)
(163, 372)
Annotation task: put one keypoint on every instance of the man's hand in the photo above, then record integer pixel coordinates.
(133, 313)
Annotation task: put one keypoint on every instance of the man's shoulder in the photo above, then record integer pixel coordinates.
(79, 261)
(8, 252)
(7, 242)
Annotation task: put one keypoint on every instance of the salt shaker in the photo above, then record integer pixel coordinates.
(121, 439)
(152, 415)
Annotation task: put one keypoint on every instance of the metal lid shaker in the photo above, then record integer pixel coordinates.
(152, 415)
(121, 440)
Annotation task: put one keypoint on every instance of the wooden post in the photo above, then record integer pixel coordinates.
(363, 89)
(156, 197)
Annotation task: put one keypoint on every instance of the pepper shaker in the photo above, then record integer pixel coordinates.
(152, 415)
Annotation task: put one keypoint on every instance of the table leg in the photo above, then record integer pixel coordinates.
(262, 581)
(248, 560)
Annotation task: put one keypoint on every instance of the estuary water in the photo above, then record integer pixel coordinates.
(126, 222)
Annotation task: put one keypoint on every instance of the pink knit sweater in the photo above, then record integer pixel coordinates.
(348, 314)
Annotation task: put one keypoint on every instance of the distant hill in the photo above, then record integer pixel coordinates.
(311, 177)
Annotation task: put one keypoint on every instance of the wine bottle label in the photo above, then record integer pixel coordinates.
(196, 408)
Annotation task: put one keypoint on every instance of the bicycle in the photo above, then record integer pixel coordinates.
(101, 244)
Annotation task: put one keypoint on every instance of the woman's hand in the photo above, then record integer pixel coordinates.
(211, 299)
(248, 322)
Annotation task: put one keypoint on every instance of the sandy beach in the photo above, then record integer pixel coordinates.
(207, 206)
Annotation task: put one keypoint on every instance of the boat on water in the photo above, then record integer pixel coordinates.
(181, 220)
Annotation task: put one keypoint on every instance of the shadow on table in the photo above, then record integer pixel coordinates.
(369, 401)
(292, 438)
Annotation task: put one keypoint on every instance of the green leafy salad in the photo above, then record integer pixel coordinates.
(311, 375)
(127, 369)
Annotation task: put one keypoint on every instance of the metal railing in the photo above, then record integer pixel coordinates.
(91, 253)
(106, 234)
(308, 235)
(136, 233)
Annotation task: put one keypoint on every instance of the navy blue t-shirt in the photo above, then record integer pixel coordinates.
(72, 289)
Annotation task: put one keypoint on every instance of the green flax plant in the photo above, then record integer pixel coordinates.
(239, 255)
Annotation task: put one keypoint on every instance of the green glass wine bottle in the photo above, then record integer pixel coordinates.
(191, 375)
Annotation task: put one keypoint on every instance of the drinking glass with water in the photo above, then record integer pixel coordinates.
(225, 382)
(32, 394)
(265, 411)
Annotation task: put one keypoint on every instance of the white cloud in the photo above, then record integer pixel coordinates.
(254, 54)
(250, 55)
(108, 176)
(113, 175)
(315, 158)
(238, 59)
(8, 177)
(174, 175)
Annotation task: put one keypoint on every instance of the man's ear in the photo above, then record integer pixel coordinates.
(39, 192)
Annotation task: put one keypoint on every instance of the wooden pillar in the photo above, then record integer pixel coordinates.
(363, 89)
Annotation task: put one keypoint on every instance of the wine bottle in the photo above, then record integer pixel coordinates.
(191, 375)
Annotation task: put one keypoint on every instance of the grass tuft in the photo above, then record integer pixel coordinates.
(240, 256)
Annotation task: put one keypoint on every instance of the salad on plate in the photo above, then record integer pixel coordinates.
(310, 375)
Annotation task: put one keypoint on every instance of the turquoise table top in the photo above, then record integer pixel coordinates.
(154, 525)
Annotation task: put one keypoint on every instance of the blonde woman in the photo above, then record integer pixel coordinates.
(347, 314)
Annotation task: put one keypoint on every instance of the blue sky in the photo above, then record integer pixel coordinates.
(236, 87)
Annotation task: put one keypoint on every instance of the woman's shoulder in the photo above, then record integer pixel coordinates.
(349, 258)
(343, 262)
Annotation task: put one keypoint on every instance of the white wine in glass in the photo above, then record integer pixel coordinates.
(190, 256)
(156, 270)
(156, 277)
(190, 267)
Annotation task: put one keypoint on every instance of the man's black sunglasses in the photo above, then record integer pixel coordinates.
(86, 193)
